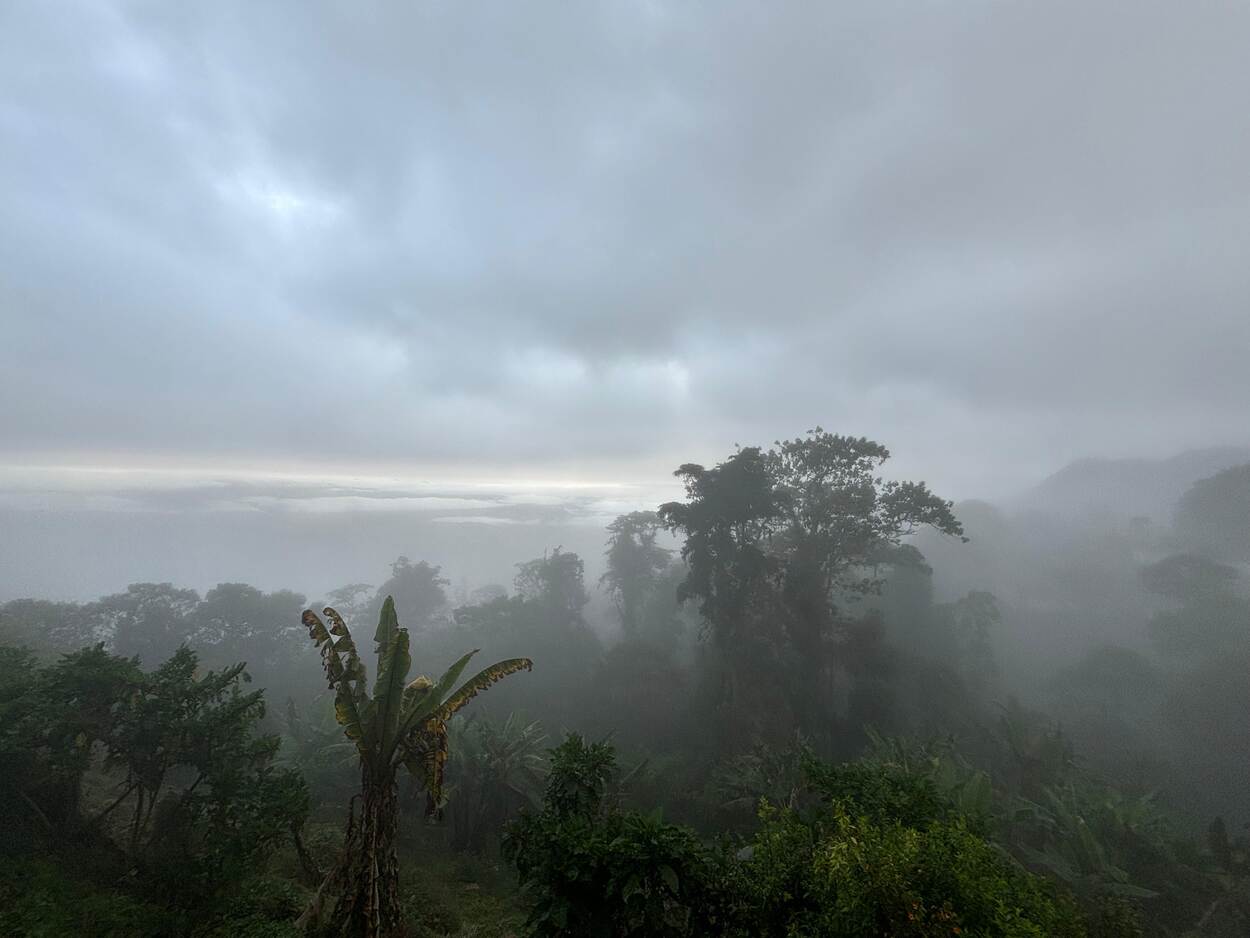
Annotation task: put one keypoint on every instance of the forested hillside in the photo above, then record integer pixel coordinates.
(779, 728)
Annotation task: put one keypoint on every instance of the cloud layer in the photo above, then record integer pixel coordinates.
(595, 240)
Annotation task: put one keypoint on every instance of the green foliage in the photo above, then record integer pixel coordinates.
(179, 754)
(883, 853)
(879, 793)
(160, 775)
(888, 853)
(774, 774)
(964, 787)
(1096, 841)
(848, 875)
(580, 774)
(235, 807)
(38, 900)
(589, 869)
(237, 622)
(55, 720)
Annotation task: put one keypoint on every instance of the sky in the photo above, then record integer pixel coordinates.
(455, 258)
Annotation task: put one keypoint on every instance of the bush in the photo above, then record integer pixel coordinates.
(847, 876)
(588, 868)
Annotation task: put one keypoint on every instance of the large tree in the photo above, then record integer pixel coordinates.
(636, 564)
(778, 543)
(555, 581)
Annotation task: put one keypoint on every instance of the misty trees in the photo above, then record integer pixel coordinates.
(419, 591)
(1214, 515)
(635, 565)
(351, 599)
(1202, 632)
(182, 786)
(1205, 614)
(149, 620)
(396, 724)
(544, 620)
(54, 719)
(973, 620)
(778, 543)
(238, 622)
(556, 582)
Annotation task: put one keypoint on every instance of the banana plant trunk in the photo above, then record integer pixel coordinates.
(369, 904)
(366, 878)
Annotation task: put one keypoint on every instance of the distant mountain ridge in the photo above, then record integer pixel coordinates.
(1128, 487)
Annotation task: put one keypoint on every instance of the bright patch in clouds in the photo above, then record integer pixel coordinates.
(267, 195)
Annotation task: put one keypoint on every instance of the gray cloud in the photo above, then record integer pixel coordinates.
(599, 239)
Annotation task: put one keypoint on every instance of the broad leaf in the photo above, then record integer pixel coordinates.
(344, 672)
(388, 692)
(480, 681)
(425, 755)
(388, 625)
(426, 704)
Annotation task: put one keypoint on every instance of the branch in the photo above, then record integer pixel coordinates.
(109, 810)
(306, 859)
(38, 812)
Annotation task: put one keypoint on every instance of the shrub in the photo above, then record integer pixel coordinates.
(588, 868)
(847, 875)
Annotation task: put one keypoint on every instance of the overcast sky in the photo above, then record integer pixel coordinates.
(584, 243)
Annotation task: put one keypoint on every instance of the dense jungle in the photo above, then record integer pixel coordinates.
(769, 724)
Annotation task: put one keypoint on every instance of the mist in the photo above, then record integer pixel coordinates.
(829, 421)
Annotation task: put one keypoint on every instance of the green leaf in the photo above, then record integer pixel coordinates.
(388, 692)
(669, 875)
(429, 702)
(388, 625)
(344, 672)
(481, 681)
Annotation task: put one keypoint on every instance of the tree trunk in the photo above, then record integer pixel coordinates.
(366, 879)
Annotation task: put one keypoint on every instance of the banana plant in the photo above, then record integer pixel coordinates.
(400, 723)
